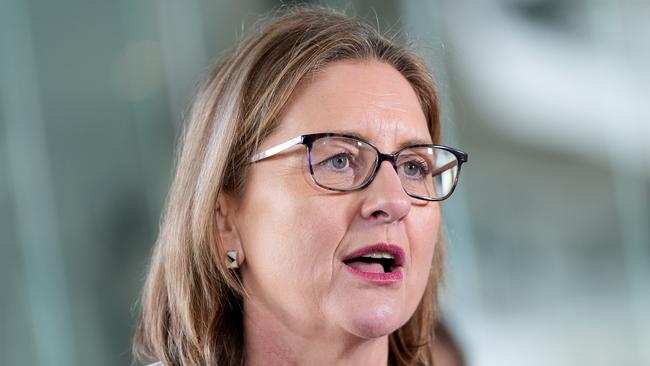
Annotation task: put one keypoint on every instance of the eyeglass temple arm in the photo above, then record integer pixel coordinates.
(444, 167)
(277, 149)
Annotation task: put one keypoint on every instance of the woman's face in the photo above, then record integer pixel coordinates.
(295, 235)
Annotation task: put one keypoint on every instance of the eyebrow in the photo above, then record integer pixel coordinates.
(404, 144)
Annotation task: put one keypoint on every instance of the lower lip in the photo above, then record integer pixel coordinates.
(381, 279)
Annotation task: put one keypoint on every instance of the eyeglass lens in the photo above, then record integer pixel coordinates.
(342, 163)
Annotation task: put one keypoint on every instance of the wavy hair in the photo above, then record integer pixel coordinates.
(191, 306)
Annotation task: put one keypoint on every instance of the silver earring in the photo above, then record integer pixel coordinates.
(232, 259)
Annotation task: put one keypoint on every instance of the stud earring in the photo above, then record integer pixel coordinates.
(232, 259)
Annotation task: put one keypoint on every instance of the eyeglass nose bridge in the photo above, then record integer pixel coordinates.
(381, 157)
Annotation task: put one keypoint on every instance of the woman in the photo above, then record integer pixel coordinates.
(302, 222)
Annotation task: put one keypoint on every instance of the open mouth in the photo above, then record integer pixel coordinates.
(373, 262)
(376, 261)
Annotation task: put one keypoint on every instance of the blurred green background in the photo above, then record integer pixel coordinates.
(549, 232)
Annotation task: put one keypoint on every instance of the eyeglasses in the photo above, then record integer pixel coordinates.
(346, 163)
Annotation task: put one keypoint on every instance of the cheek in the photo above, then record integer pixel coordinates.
(424, 236)
(290, 236)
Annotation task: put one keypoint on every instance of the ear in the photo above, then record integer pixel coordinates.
(227, 225)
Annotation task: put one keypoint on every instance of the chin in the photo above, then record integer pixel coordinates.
(374, 321)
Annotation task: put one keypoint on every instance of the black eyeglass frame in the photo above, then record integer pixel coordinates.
(309, 139)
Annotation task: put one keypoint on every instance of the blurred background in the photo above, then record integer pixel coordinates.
(548, 234)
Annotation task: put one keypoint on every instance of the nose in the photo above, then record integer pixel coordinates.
(386, 200)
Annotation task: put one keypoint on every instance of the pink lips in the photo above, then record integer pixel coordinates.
(387, 278)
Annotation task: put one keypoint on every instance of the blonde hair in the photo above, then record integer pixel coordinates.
(191, 307)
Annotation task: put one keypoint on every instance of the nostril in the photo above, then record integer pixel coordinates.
(379, 213)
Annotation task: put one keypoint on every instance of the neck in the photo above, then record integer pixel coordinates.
(269, 341)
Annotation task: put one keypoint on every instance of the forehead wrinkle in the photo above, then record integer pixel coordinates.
(374, 135)
(382, 102)
(373, 103)
(385, 119)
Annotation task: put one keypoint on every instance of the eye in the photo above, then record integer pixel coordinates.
(339, 161)
(414, 169)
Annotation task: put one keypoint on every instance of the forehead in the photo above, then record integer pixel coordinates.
(365, 98)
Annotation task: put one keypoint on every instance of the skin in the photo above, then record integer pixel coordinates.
(304, 306)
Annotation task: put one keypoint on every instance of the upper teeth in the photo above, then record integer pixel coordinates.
(379, 255)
